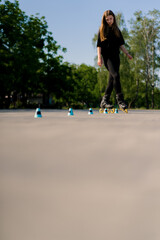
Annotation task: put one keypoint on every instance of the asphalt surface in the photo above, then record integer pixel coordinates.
(81, 177)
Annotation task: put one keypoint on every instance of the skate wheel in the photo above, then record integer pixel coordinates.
(111, 110)
(101, 110)
(124, 110)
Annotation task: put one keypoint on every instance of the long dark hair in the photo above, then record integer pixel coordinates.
(104, 25)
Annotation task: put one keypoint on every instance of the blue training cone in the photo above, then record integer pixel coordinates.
(38, 113)
(116, 110)
(70, 113)
(90, 111)
(105, 111)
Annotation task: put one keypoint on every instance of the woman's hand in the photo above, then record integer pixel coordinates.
(100, 62)
(129, 56)
(126, 52)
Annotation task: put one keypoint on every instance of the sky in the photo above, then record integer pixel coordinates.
(73, 23)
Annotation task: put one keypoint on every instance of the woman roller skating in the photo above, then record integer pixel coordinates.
(110, 40)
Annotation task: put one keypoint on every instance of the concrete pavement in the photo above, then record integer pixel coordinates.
(81, 177)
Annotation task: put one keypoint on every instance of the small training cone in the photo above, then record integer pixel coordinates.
(105, 111)
(70, 112)
(90, 111)
(38, 113)
(116, 110)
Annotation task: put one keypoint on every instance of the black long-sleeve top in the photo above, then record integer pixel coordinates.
(110, 46)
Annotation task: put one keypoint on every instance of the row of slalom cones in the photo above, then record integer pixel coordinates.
(70, 112)
(90, 112)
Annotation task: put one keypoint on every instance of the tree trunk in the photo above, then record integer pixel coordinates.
(147, 100)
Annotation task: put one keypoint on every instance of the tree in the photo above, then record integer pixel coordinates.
(26, 50)
(85, 80)
(144, 42)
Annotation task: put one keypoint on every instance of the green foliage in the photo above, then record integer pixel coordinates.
(26, 50)
(144, 42)
(84, 79)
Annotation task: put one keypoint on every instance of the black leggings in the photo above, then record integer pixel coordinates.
(114, 77)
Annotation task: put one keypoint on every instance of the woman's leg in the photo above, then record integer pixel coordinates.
(114, 77)
(109, 85)
(109, 88)
(114, 81)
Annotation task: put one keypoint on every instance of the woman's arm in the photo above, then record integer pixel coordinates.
(100, 61)
(125, 51)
